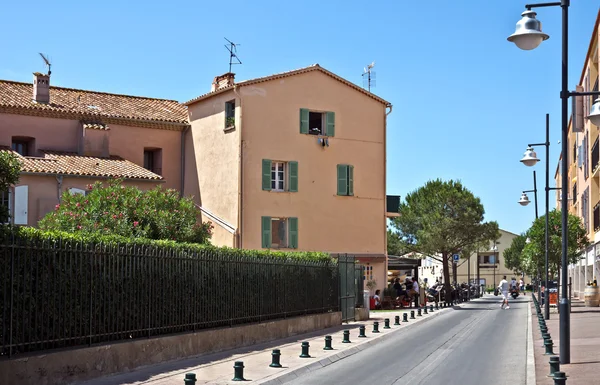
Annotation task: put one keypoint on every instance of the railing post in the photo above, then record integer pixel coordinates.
(12, 291)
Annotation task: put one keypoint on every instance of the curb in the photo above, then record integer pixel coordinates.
(530, 366)
(293, 374)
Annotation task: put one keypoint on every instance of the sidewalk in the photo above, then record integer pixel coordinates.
(585, 346)
(218, 368)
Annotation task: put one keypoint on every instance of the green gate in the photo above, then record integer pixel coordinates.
(346, 265)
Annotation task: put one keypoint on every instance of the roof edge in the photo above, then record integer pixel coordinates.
(314, 67)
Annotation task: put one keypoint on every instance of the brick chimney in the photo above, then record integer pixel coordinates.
(41, 88)
(222, 81)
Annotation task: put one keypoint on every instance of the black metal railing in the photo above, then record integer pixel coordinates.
(595, 156)
(57, 294)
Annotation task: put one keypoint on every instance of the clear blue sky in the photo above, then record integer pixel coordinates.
(466, 102)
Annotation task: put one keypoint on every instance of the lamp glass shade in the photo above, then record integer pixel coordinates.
(528, 33)
(594, 115)
(530, 157)
(524, 201)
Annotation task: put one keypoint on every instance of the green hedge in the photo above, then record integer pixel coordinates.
(34, 233)
(60, 290)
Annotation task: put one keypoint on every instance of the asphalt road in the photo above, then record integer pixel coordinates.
(477, 343)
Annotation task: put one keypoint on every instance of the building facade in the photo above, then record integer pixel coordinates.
(67, 139)
(584, 170)
(292, 161)
(489, 264)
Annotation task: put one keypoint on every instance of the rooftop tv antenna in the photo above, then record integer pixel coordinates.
(369, 77)
(232, 48)
(47, 63)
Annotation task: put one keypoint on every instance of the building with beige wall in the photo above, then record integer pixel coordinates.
(67, 139)
(489, 264)
(292, 161)
(584, 169)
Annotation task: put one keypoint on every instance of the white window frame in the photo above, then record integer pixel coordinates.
(287, 232)
(275, 163)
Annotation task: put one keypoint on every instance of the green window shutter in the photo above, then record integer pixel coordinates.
(342, 179)
(266, 174)
(303, 121)
(350, 180)
(266, 232)
(293, 176)
(293, 224)
(330, 124)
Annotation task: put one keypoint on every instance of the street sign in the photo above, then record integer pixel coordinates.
(456, 257)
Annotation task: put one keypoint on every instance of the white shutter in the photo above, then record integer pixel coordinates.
(578, 110)
(21, 203)
(74, 191)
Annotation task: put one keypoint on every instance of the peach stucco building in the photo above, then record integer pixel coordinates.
(292, 161)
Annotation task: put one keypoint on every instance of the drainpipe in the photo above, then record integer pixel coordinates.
(59, 181)
(240, 172)
(183, 133)
(385, 186)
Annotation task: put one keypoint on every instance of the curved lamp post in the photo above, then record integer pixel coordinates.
(527, 36)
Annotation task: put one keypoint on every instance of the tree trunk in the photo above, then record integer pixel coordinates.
(447, 286)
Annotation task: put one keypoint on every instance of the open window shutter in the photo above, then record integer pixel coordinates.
(342, 181)
(266, 232)
(293, 222)
(21, 203)
(266, 174)
(330, 124)
(293, 175)
(579, 156)
(303, 121)
(350, 180)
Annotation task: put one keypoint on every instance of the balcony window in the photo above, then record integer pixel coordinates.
(597, 217)
(153, 160)
(595, 156)
(574, 193)
(23, 145)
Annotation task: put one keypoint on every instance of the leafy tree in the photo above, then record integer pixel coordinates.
(443, 217)
(513, 258)
(129, 212)
(394, 244)
(10, 168)
(534, 252)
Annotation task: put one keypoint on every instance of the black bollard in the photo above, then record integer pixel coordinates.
(238, 371)
(386, 323)
(412, 314)
(304, 353)
(548, 346)
(397, 320)
(405, 317)
(361, 331)
(327, 343)
(554, 365)
(437, 306)
(419, 312)
(425, 310)
(346, 339)
(560, 378)
(431, 308)
(190, 379)
(375, 327)
(275, 356)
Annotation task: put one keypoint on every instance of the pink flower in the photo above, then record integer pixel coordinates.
(135, 223)
(114, 217)
(79, 227)
(57, 207)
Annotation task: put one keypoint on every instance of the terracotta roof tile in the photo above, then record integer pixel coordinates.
(68, 163)
(92, 103)
(313, 67)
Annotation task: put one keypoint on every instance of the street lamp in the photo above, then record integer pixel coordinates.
(530, 159)
(594, 115)
(525, 202)
(528, 35)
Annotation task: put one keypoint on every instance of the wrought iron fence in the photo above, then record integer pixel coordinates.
(57, 294)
